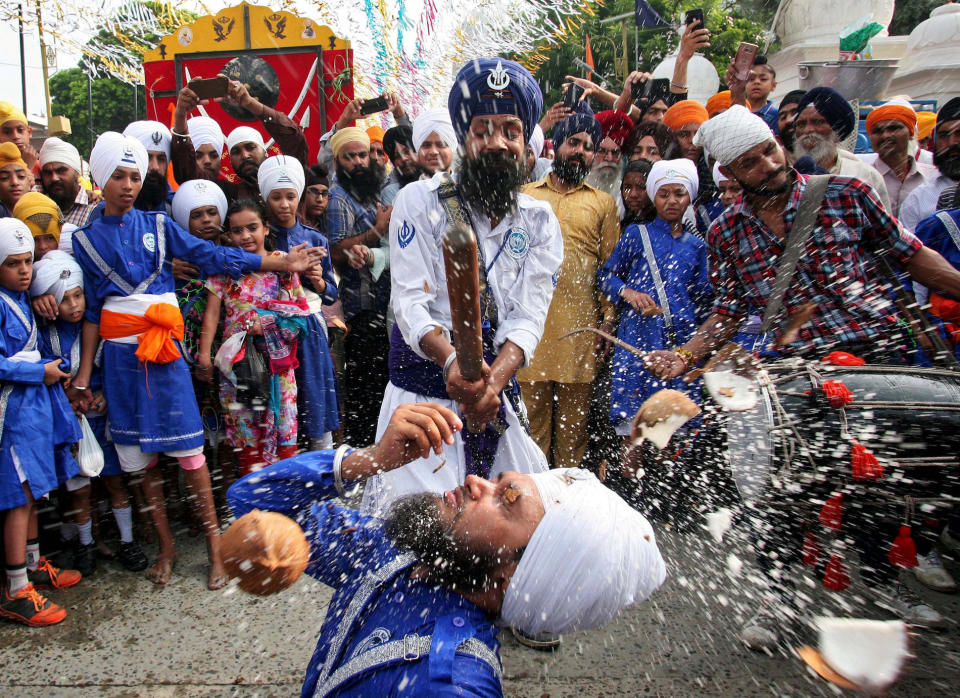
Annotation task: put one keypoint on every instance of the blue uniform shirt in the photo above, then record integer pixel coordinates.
(448, 645)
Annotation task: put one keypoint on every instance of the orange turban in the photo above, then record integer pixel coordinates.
(926, 120)
(720, 102)
(893, 112)
(683, 113)
(376, 134)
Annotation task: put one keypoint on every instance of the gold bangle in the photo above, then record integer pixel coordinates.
(686, 355)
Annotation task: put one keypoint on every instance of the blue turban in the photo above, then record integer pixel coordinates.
(833, 107)
(494, 86)
(581, 120)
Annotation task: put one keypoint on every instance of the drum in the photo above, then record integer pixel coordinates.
(793, 438)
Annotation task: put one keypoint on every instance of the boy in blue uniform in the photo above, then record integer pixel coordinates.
(29, 438)
(129, 286)
(535, 551)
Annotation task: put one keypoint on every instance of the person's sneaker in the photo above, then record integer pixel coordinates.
(762, 632)
(545, 642)
(949, 542)
(46, 576)
(931, 573)
(30, 607)
(85, 559)
(902, 602)
(131, 556)
(68, 554)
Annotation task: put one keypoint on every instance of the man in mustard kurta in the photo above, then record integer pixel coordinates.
(558, 384)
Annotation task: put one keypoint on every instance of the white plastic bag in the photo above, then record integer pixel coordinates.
(89, 453)
(227, 353)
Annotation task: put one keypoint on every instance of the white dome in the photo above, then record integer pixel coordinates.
(703, 81)
(822, 20)
(934, 40)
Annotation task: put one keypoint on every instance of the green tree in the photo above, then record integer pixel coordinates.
(730, 23)
(113, 106)
(907, 14)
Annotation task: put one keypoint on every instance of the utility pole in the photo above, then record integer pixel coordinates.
(43, 61)
(90, 129)
(23, 62)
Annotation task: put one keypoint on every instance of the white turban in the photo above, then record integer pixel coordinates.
(434, 121)
(56, 150)
(280, 172)
(590, 557)
(66, 237)
(152, 134)
(718, 176)
(56, 273)
(244, 134)
(113, 150)
(15, 238)
(205, 131)
(681, 171)
(536, 141)
(729, 135)
(195, 194)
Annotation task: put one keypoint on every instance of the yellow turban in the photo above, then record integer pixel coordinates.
(376, 134)
(10, 154)
(8, 112)
(926, 120)
(351, 134)
(683, 113)
(40, 214)
(720, 102)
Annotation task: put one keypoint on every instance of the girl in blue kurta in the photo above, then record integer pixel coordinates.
(59, 275)
(660, 264)
(30, 437)
(281, 186)
(125, 256)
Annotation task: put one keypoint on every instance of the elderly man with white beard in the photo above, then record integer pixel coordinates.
(824, 118)
(607, 171)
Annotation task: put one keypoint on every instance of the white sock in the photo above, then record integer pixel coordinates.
(16, 578)
(33, 555)
(86, 534)
(68, 531)
(124, 519)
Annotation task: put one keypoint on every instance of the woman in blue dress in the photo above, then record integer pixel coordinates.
(657, 274)
(282, 181)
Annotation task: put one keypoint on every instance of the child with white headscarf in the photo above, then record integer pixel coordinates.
(658, 275)
(59, 275)
(34, 437)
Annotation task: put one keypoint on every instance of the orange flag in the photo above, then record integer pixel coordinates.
(588, 59)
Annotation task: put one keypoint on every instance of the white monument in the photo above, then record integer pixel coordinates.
(931, 67)
(703, 81)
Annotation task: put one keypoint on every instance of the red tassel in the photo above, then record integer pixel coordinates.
(903, 552)
(837, 393)
(863, 464)
(831, 515)
(836, 577)
(842, 358)
(811, 550)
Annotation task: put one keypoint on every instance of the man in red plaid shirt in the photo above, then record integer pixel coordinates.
(836, 300)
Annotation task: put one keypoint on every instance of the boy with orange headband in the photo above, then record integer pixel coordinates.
(129, 288)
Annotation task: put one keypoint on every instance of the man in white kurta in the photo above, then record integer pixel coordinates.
(521, 250)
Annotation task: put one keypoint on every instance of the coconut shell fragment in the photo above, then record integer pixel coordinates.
(266, 551)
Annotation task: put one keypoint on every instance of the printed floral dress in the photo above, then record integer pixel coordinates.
(245, 427)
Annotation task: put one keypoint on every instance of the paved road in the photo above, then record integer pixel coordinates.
(124, 637)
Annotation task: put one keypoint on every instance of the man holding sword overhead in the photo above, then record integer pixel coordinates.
(494, 105)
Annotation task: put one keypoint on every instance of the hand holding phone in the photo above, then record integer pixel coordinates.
(209, 88)
(374, 106)
(743, 61)
(572, 96)
(694, 16)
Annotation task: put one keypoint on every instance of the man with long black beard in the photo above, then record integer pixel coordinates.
(155, 194)
(356, 221)
(558, 384)
(494, 106)
(922, 201)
